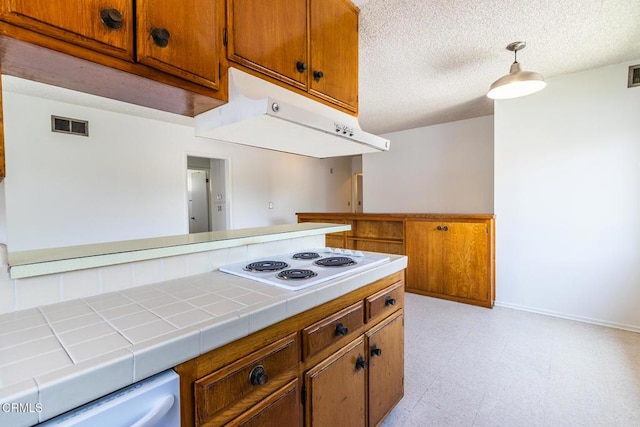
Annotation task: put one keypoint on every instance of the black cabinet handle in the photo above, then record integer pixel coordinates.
(439, 228)
(341, 330)
(258, 376)
(445, 228)
(160, 36)
(317, 75)
(360, 363)
(111, 18)
(389, 301)
(375, 351)
(301, 66)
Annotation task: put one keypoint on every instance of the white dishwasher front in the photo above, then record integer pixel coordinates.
(154, 401)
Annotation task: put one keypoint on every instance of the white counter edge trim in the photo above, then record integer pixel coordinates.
(59, 260)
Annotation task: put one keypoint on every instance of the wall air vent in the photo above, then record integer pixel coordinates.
(634, 76)
(71, 126)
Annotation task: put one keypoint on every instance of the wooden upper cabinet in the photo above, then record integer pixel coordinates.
(270, 36)
(104, 26)
(183, 38)
(311, 45)
(334, 52)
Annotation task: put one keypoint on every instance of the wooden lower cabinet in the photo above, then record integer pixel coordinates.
(353, 375)
(385, 349)
(335, 389)
(451, 256)
(451, 260)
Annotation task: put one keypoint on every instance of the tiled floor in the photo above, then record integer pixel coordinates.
(470, 366)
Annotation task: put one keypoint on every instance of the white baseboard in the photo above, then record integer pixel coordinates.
(616, 325)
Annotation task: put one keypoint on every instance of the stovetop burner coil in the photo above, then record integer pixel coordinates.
(306, 255)
(335, 261)
(266, 266)
(296, 274)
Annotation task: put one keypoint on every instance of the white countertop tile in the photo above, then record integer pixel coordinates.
(99, 344)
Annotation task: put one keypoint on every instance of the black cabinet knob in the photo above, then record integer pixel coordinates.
(301, 66)
(389, 301)
(258, 376)
(111, 18)
(341, 330)
(439, 228)
(375, 351)
(317, 75)
(445, 228)
(360, 363)
(160, 36)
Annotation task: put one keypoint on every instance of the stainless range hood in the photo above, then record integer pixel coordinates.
(261, 114)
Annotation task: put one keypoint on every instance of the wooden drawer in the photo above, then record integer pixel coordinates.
(384, 302)
(331, 329)
(257, 373)
(281, 408)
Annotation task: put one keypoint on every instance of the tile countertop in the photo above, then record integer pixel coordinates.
(63, 355)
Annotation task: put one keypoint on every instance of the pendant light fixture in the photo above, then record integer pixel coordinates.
(517, 82)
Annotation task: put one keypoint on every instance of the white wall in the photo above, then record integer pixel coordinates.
(567, 198)
(446, 168)
(127, 180)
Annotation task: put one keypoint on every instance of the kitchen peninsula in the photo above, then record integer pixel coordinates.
(69, 353)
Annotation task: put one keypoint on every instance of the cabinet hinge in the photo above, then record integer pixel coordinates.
(486, 229)
(219, 70)
(224, 37)
(304, 395)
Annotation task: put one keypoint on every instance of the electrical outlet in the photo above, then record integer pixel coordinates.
(270, 205)
(219, 208)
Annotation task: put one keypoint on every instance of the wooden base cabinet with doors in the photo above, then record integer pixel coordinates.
(338, 364)
(452, 257)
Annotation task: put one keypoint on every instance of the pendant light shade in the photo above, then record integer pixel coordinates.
(517, 83)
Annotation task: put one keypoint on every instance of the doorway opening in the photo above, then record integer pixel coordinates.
(357, 193)
(207, 201)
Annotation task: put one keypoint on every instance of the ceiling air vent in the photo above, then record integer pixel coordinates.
(634, 76)
(71, 126)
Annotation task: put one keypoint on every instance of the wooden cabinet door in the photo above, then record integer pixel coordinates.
(281, 408)
(80, 22)
(335, 389)
(465, 253)
(334, 52)
(424, 250)
(386, 367)
(182, 38)
(270, 36)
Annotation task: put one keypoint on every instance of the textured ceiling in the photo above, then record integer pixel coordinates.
(427, 62)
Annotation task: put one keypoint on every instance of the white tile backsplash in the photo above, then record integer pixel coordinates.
(80, 284)
(7, 295)
(146, 272)
(175, 267)
(117, 277)
(199, 263)
(36, 291)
